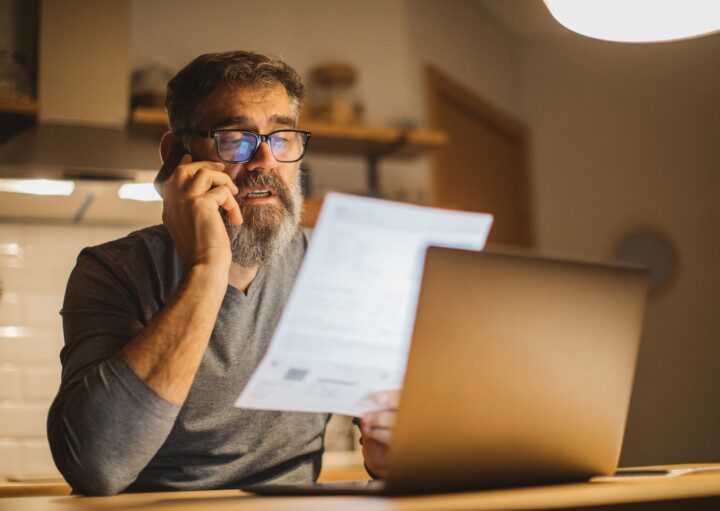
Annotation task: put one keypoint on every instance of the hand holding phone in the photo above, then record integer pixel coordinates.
(169, 165)
(192, 194)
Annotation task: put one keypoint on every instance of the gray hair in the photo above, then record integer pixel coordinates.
(188, 89)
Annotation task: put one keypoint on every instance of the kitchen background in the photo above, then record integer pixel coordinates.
(590, 149)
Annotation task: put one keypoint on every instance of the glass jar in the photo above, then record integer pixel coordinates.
(14, 76)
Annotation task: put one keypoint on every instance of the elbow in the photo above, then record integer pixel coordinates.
(97, 484)
(88, 473)
(89, 476)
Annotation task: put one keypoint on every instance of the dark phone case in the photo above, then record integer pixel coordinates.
(173, 160)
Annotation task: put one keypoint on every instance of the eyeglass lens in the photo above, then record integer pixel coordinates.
(238, 146)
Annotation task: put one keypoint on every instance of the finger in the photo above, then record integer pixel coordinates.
(205, 178)
(387, 398)
(375, 455)
(379, 419)
(187, 168)
(225, 199)
(382, 435)
(166, 184)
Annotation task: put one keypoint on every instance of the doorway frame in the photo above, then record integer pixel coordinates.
(439, 83)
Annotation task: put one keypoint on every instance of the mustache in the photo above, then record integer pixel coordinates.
(264, 179)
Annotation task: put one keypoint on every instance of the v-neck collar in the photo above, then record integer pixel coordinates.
(244, 296)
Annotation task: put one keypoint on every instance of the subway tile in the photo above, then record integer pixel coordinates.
(42, 308)
(52, 244)
(40, 383)
(30, 279)
(10, 383)
(10, 458)
(12, 233)
(12, 255)
(37, 461)
(60, 261)
(11, 309)
(23, 420)
(24, 344)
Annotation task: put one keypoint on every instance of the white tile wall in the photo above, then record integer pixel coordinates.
(37, 462)
(26, 460)
(10, 458)
(40, 383)
(11, 310)
(35, 262)
(23, 420)
(10, 383)
(29, 345)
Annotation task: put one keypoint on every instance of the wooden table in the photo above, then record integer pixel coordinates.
(648, 493)
(338, 466)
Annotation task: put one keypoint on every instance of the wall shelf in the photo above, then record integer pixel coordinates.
(18, 107)
(356, 140)
(370, 142)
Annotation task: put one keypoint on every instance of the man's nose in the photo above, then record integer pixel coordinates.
(262, 159)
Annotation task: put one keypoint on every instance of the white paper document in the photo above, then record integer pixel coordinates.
(345, 331)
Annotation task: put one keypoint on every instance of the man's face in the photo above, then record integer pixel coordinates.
(269, 222)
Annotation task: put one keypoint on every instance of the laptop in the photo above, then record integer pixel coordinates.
(520, 373)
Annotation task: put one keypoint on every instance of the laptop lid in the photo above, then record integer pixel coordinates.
(520, 371)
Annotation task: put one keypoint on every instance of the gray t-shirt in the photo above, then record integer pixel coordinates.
(110, 432)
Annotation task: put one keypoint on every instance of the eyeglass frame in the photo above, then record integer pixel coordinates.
(258, 136)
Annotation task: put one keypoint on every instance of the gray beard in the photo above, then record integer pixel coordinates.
(267, 230)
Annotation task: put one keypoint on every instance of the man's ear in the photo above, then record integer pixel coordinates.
(166, 144)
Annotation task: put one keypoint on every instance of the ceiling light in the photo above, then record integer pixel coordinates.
(37, 186)
(139, 191)
(638, 21)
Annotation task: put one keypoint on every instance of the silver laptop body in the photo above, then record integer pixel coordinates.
(520, 372)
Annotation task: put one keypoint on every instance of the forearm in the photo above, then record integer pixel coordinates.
(106, 427)
(167, 353)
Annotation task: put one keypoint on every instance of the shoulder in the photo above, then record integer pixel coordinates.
(146, 257)
(150, 241)
(149, 244)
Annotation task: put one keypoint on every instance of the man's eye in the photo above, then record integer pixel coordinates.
(279, 143)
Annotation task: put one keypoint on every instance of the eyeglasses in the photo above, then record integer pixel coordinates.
(240, 146)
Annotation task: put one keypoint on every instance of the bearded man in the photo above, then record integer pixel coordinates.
(165, 326)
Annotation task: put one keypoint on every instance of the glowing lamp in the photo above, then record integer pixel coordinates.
(638, 21)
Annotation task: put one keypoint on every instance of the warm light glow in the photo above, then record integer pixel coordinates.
(10, 249)
(14, 332)
(638, 20)
(37, 186)
(139, 191)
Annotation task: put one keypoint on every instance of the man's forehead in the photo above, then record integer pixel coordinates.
(265, 104)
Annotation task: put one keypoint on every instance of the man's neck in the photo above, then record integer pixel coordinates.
(241, 277)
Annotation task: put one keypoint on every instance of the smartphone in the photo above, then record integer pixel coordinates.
(173, 160)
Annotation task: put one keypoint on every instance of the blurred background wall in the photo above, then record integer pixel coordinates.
(625, 137)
